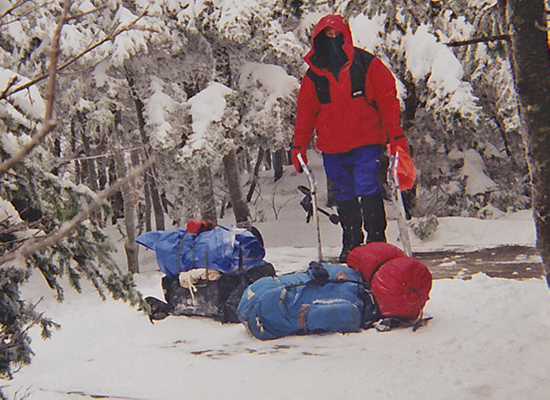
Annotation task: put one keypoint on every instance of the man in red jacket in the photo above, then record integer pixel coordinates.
(349, 98)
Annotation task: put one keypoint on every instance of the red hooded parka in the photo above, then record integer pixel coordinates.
(346, 123)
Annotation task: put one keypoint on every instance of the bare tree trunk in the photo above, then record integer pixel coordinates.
(267, 160)
(143, 210)
(130, 246)
(231, 173)
(150, 175)
(88, 169)
(278, 160)
(148, 207)
(530, 64)
(77, 164)
(88, 164)
(255, 174)
(206, 195)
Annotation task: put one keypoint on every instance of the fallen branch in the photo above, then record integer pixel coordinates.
(478, 40)
(88, 395)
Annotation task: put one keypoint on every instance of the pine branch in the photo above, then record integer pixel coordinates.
(32, 246)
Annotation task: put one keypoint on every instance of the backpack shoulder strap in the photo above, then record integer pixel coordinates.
(358, 71)
(321, 86)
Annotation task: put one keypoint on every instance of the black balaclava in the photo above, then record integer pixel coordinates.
(336, 55)
(329, 53)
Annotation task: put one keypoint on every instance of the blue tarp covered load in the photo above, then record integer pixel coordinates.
(219, 249)
(301, 303)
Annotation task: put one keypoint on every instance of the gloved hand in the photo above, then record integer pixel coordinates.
(319, 272)
(400, 142)
(295, 151)
(406, 171)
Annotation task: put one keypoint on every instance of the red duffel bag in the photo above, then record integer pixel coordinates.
(400, 285)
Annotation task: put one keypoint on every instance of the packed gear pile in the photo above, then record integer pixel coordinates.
(380, 287)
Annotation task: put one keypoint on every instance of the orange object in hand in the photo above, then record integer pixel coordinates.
(406, 172)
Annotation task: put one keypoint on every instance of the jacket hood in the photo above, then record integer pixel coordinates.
(337, 22)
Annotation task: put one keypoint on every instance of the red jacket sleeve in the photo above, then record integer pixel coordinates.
(307, 109)
(380, 88)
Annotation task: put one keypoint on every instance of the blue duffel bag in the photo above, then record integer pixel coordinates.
(325, 298)
(222, 249)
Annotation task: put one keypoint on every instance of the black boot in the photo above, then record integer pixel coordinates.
(351, 221)
(374, 216)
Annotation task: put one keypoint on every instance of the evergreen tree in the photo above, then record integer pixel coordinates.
(44, 217)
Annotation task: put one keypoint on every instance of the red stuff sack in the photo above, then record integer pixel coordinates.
(368, 258)
(401, 288)
(199, 225)
(400, 285)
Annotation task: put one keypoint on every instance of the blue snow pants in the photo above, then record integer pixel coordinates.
(355, 173)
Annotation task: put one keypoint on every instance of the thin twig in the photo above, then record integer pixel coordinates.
(76, 16)
(88, 68)
(105, 155)
(13, 8)
(32, 246)
(13, 80)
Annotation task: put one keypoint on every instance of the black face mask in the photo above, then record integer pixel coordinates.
(329, 53)
(336, 55)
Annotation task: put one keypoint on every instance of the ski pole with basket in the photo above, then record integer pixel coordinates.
(314, 208)
(397, 199)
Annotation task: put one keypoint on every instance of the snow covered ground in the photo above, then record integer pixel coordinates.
(488, 338)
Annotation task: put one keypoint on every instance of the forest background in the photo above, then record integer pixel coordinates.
(103, 121)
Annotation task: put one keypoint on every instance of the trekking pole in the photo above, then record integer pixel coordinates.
(313, 189)
(398, 201)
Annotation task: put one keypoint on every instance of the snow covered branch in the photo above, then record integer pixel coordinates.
(32, 246)
(11, 11)
(48, 125)
(116, 31)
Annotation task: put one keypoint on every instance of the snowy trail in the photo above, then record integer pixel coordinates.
(482, 343)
